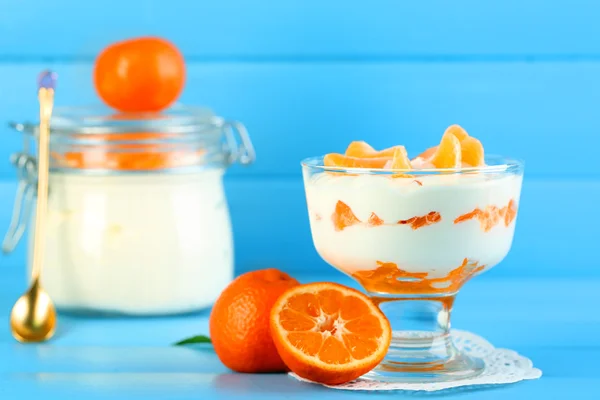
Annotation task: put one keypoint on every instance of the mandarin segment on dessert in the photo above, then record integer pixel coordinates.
(471, 152)
(362, 149)
(340, 160)
(427, 154)
(457, 131)
(400, 159)
(448, 154)
(427, 232)
(456, 149)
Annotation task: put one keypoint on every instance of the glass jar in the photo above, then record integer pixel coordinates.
(138, 221)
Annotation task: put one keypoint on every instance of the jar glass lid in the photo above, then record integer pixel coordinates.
(98, 139)
(104, 120)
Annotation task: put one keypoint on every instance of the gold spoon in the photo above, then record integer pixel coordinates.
(33, 317)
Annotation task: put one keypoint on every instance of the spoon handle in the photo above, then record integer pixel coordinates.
(46, 99)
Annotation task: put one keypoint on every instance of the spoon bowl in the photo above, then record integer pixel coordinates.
(33, 317)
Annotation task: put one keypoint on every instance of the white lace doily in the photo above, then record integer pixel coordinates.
(502, 366)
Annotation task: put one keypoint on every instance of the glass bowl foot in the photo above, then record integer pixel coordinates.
(424, 359)
(421, 349)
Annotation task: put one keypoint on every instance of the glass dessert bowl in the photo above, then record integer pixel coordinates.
(412, 237)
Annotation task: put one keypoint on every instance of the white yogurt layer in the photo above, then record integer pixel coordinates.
(436, 249)
(137, 244)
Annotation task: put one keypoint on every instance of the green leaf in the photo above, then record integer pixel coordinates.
(193, 340)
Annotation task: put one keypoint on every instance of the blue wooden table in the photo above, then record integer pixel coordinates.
(552, 321)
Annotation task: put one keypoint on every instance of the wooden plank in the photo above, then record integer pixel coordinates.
(544, 113)
(485, 307)
(305, 28)
(553, 236)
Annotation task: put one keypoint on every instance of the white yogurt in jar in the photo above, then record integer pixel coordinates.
(157, 243)
(435, 249)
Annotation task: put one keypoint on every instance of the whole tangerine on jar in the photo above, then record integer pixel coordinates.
(138, 222)
(143, 74)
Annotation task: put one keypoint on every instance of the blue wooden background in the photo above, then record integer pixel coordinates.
(308, 76)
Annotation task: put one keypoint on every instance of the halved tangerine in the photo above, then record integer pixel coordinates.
(329, 333)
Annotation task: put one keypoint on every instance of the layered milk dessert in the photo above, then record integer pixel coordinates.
(420, 226)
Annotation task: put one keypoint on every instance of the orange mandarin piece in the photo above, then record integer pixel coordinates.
(400, 159)
(427, 154)
(343, 216)
(511, 212)
(362, 149)
(359, 149)
(374, 220)
(387, 153)
(340, 160)
(388, 278)
(448, 154)
(472, 152)
(457, 131)
(491, 215)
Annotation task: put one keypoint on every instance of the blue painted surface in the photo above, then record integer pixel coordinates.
(307, 77)
(551, 321)
(300, 28)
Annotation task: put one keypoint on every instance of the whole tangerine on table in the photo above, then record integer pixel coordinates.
(239, 321)
(144, 74)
